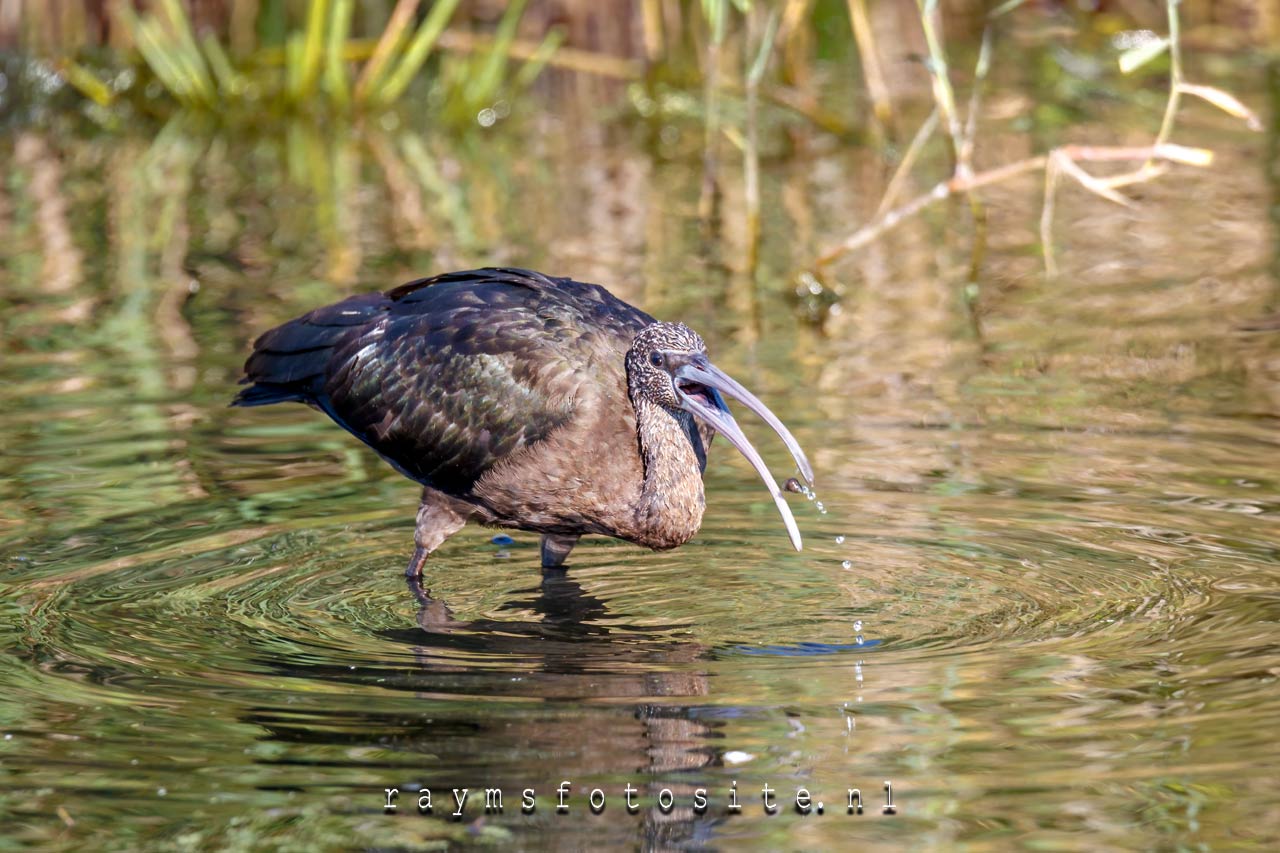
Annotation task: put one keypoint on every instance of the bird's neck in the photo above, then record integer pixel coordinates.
(671, 501)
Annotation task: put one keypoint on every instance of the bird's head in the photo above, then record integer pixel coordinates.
(667, 366)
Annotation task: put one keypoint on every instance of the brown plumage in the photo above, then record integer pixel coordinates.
(520, 401)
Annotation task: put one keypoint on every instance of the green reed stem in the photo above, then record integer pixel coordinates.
(312, 49)
(534, 65)
(335, 69)
(231, 83)
(389, 43)
(183, 49)
(417, 53)
(484, 86)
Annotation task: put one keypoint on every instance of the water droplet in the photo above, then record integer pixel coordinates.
(486, 117)
(821, 508)
(810, 495)
(847, 564)
(839, 540)
(857, 627)
(8, 736)
(859, 640)
(160, 792)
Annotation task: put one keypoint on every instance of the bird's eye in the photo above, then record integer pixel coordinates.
(655, 358)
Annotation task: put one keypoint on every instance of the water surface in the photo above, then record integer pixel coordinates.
(1042, 601)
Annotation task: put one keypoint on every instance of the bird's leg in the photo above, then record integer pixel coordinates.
(438, 519)
(555, 548)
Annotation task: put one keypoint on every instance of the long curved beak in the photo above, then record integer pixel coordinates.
(714, 411)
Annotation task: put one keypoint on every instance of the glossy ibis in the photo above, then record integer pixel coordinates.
(521, 401)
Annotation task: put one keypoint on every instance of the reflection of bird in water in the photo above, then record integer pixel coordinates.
(581, 657)
(562, 689)
(521, 401)
(572, 626)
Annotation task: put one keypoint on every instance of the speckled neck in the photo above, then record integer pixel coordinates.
(671, 500)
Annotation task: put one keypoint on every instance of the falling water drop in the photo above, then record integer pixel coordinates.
(839, 540)
(847, 564)
(857, 626)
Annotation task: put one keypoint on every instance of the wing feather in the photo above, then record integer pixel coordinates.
(448, 376)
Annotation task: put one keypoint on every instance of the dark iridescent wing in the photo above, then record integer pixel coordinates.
(445, 377)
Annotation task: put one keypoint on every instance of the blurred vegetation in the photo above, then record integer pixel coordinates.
(271, 59)
(746, 77)
(266, 59)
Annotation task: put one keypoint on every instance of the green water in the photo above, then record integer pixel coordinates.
(1042, 601)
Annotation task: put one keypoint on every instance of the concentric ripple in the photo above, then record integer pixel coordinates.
(1037, 593)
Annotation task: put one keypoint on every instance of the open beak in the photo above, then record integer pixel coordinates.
(699, 384)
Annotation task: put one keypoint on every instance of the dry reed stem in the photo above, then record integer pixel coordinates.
(392, 36)
(568, 58)
(882, 223)
(1064, 160)
(908, 161)
(651, 30)
(940, 78)
(860, 22)
(751, 152)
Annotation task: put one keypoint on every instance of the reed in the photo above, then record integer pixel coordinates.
(751, 152)
(716, 13)
(321, 67)
(1065, 161)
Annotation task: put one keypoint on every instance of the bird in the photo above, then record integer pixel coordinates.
(521, 401)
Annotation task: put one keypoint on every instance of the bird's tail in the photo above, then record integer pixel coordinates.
(266, 393)
(289, 363)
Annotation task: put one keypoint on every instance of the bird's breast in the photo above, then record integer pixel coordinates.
(585, 477)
